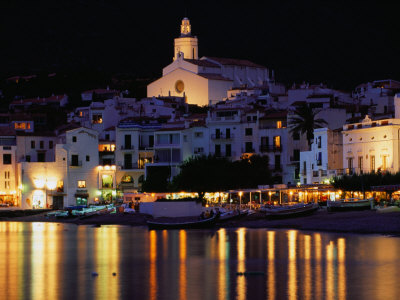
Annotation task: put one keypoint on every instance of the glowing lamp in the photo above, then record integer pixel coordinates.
(107, 167)
(100, 167)
(114, 193)
(291, 193)
(51, 185)
(113, 167)
(39, 183)
(240, 193)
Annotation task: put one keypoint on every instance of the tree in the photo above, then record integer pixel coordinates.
(304, 121)
(203, 174)
(156, 180)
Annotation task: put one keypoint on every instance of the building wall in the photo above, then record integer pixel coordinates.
(195, 87)
(24, 148)
(381, 142)
(9, 191)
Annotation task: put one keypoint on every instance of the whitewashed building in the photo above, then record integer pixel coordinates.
(324, 160)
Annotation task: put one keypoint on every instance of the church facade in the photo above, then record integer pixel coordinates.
(206, 80)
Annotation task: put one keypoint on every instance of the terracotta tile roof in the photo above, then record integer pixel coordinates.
(202, 63)
(234, 62)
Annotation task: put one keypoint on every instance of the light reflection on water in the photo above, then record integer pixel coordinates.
(56, 261)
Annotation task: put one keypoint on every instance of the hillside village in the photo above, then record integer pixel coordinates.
(52, 155)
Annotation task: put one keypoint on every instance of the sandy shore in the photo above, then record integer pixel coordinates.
(351, 222)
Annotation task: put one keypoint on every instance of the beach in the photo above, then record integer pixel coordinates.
(361, 222)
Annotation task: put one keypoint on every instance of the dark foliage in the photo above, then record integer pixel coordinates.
(210, 174)
(364, 182)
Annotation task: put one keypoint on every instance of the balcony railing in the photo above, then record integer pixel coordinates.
(248, 150)
(127, 147)
(129, 166)
(222, 136)
(270, 148)
(76, 163)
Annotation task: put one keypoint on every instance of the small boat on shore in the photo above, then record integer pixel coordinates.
(349, 204)
(289, 211)
(196, 224)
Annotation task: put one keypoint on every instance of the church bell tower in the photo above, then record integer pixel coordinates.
(186, 45)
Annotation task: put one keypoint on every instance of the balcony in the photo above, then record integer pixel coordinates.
(222, 136)
(270, 148)
(127, 147)
(76, 163)
(129, 166)
(146, 148)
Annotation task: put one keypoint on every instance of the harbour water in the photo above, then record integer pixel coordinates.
(63, 261)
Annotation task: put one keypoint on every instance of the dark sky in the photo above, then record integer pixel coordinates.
(341, 43)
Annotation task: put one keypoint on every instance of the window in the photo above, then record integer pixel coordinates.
(350, 164)
(7, 175)
(198, 134)
(277, 142)
(87, 158)
(218, 150)
(319, 159)
(360, 163)
(28, 158)
(185, 138)
(41, 144)
(277, 162)
(249, 131)
(33, 145)
(372, 163)
(278, 124)
(228, 133)
(107, 136)
(41, 157)
(97, 119)
(81, 184)
(384, 162)
(7, 185)
(6, 159)
(106, 181)
(74, 139)
(198, 150)
(296, 154)
(50, 144)
(74, 160)
(249, 147)
(60, 186)
(248, 118)
(127, 179)
(319, 142)
(228, 150)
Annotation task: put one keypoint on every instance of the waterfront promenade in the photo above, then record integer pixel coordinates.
(368, 222)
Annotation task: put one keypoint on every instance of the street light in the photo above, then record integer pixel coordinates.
(240, 199)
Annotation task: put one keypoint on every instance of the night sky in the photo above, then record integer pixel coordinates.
(341, 43)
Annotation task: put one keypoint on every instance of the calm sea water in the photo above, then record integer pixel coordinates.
(56, 261)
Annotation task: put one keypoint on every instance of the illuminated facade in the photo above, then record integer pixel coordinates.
(325, 160)
(372, 146)
(206, 80)
(9, 192)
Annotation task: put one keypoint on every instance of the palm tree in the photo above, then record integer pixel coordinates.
(304, 121)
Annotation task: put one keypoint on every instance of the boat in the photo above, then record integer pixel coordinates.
(387, 209)
(288, 211)
(203, 223)
(349, 204)
(226, 215)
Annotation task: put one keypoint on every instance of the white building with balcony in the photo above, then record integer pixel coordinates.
(325, 160)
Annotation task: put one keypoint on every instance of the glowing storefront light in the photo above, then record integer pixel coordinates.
(39, 183)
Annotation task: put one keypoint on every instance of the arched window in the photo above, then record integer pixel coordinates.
(127, 179)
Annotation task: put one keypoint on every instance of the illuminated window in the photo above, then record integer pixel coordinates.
(372, 163)
(384, 162)
(278, 124)
(107, 181)
(97, 118)
(277, 142)
(127, 179)
(60, 186)
(7, 185)
(360, 163)
(81, 184)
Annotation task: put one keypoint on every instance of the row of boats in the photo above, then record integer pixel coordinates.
(270, 211)
(83, 211)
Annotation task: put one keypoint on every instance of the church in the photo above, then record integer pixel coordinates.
(205, 81)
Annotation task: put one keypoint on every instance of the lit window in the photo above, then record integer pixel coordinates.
(97, 118)
(278, 124)
(81, 184)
